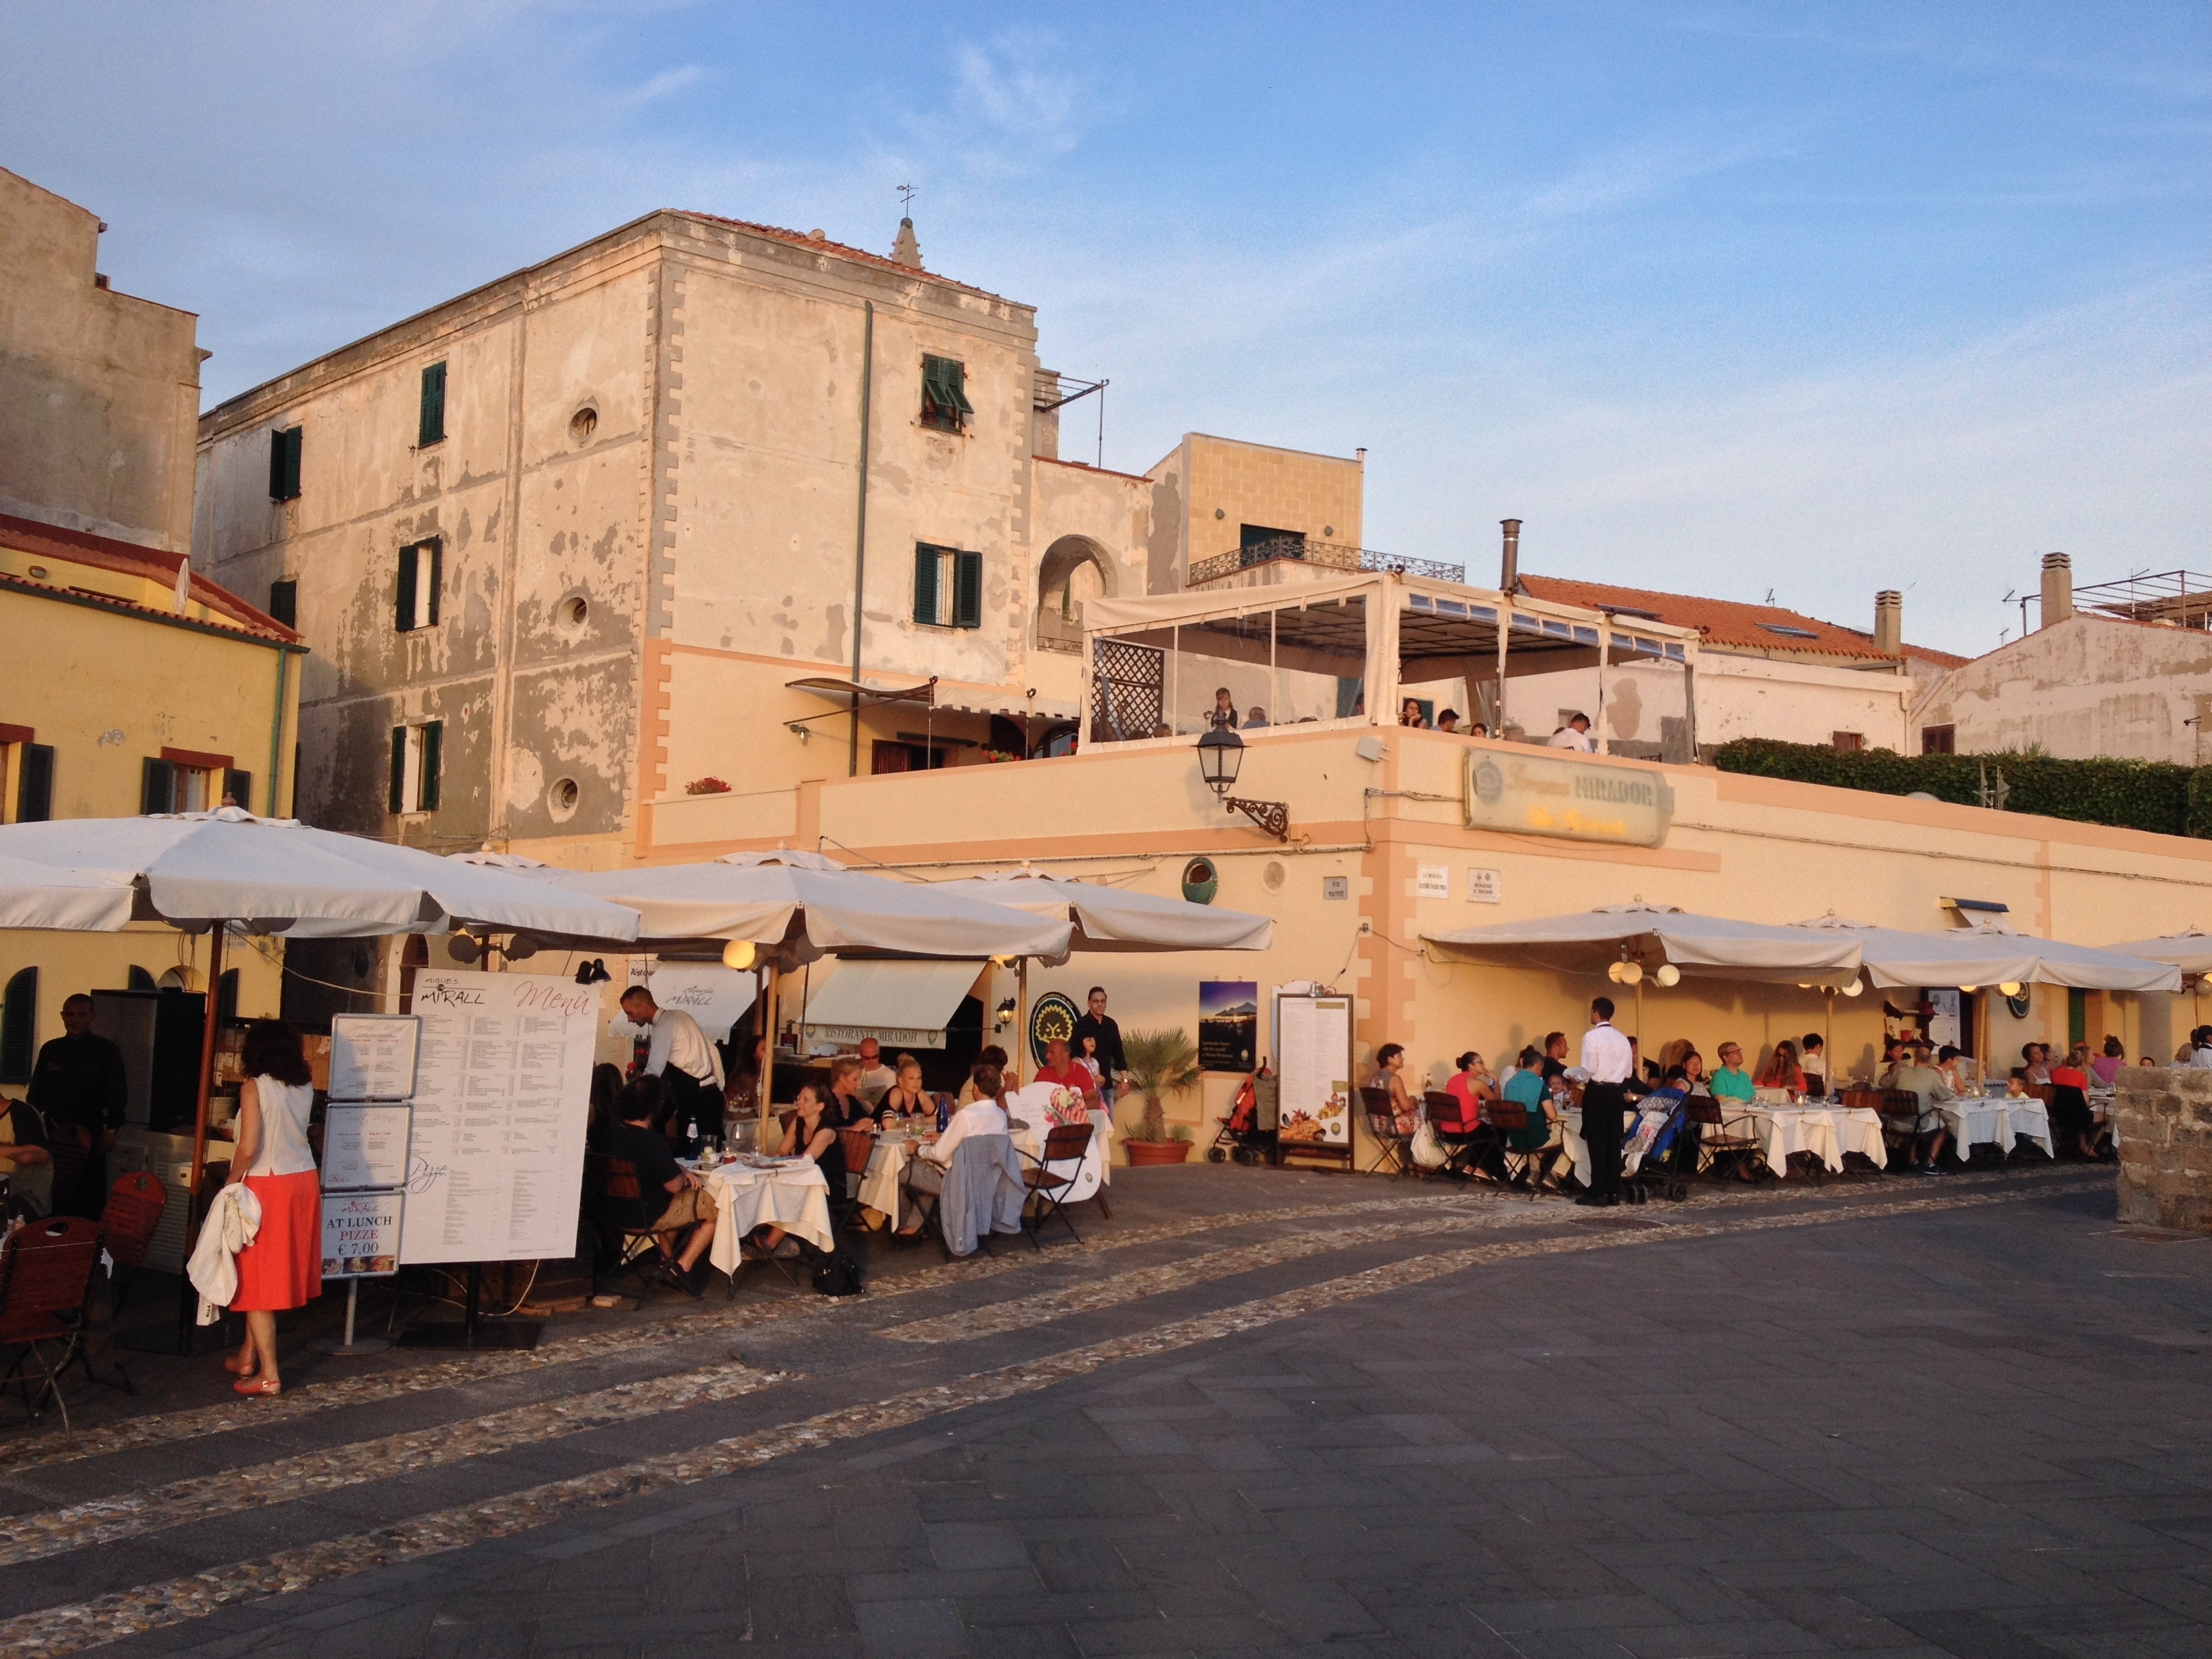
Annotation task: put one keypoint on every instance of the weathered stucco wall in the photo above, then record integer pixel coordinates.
(2165, 1124)
(2086, 687)
(1205, 488)
(99, 392)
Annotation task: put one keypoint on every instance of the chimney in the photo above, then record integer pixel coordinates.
(2058, 588)
(1509, 567)
(1889, 621)
(906, 251)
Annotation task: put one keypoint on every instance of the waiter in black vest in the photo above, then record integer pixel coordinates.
(1609, 1062)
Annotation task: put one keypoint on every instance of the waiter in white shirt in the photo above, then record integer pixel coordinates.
(1609, 1060)
(684, 1061)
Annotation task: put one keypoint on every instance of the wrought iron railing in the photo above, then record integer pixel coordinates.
(1304, 550)
(2182, 597)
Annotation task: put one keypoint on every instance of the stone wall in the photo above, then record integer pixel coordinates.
(2166, 1147)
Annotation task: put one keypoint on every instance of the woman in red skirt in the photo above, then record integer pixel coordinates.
(283, 1268)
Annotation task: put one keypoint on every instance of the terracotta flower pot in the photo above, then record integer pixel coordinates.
(1142, 1153)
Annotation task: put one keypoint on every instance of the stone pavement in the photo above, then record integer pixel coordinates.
(1253, 1413)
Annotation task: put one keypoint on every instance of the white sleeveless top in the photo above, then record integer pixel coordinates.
(284, 1109)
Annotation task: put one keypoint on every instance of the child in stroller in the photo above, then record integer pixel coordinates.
(1649, 1154)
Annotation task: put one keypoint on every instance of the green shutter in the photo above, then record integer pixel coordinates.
(19, 1026)
(956, 386)
(396, 800)
(276, 466)
(434, 742)
(34, 790)
(431, 428)
(403, 610)
(284, 464)
(157, 786)
(226, 998)
(968, 589)
(925, 584)
(435, 578)
(284, 603)
(239, 786)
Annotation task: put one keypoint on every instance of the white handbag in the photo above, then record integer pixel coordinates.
(1428, 1152)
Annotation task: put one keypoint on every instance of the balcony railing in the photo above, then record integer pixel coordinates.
(1304, 549)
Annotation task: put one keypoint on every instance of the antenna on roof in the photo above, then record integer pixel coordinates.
(1769, 596)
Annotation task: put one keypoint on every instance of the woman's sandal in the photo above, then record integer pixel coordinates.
(257, 1385)
(237, 1367)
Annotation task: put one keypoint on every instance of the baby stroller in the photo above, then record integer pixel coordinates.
(1647, 1155)
(1241, 1135)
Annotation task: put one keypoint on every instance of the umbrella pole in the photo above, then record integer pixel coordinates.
(1828, 1046)
(1021, 1018)
(187, 1297)
(768, 1059)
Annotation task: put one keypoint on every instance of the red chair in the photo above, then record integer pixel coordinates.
(127, 1225)
(45, 1273)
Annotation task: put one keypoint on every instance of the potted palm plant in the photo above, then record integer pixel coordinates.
(1160, 1063)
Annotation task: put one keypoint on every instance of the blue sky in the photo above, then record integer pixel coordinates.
(1719, 298)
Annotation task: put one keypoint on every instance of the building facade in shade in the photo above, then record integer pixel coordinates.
(627, 525)
(131, 685)
(99, 392)
(2122, 669)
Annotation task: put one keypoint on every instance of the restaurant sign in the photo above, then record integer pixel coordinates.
(1575, 796)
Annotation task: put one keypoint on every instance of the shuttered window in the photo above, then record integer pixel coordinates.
(944, 403)
(431, 428)
(157, 786)
(948, 587)
(421, 574)
(284, 464)
(19, 1026)
(284, 603)
(237, 788)
(34, 784)
(417, 759)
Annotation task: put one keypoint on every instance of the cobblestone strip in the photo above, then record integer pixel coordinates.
(969, 1323)
(53, 1632)
(203, 1498)
(626, 1342)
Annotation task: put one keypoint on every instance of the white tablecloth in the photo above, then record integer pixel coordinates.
(880, 1183)
(796, 1199)
(1996, 1121)
(1827, 1131)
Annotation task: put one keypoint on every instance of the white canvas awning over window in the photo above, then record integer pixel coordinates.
(902, 1005)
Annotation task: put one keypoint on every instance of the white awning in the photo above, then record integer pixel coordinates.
(717, 997)
(902, 1005)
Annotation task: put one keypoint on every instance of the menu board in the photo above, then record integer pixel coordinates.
(364, 1147)
(361, 1234)
(1313, 1056)
(373, 1056)
(502, 1091)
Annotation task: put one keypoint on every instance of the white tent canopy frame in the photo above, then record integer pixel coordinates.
(1389, 630)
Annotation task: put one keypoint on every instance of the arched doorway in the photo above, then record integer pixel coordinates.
(1074, 569)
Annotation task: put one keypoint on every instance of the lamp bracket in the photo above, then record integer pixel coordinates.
(1272, 816)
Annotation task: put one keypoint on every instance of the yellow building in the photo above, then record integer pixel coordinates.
(130, 685)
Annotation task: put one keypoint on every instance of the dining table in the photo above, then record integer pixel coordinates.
(1995, 1121)
(751, 1191)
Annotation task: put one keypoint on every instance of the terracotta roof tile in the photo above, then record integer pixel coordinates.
(1721, 622)
(129, 558)
(842, 250)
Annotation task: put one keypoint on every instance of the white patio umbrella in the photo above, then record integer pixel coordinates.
(207, 871)
(2190, 950)
(793, 906)
(1110, 918)
(1970, 957)
(1653, 935)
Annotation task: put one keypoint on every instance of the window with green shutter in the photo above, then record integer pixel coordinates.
(157, 786)
(34, 784)
(421, 574)
(432, 743)
(928, 562)
(431, 428)
(944, 403)
(968, 589)
(948, 586)
(19, 1026)
(284, 603)
(417, 760)
(284, 464)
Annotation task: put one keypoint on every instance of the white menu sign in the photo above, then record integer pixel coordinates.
(1313, 1056)
(361, 1234)
(373, 1056)
(502, 1091)
(364, 1147)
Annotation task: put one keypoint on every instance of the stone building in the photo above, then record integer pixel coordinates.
(2121, 669)
(648, 517)
(98, 390)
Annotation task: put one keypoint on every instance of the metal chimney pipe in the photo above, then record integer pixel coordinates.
(1509, 570)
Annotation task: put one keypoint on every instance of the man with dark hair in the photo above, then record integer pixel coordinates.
(1813, 1060)
(687, 1065)
(674, 1200)
(1610, 1061)
(78, 1088)
(1097, 1023)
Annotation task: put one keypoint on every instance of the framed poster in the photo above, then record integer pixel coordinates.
(365, 1146)
(1228, 1024)
(373, 1056)
(502, 1090)
(1313, 1062)
(360, 1234)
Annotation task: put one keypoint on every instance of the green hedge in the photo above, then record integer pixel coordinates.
(2153, 795)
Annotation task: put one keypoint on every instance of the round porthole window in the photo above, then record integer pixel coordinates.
(574, 612)
(561, 799)
(1200, 881)
(583, 423)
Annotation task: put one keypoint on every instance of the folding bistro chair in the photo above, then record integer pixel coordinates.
(858, 1146)
(635, 1239)
(1900, 1111)
(46, 1274)
(1507, 1119)
(1396, 1148)
(1724, 1138)
(1052, 1177)
(1465, 1140)
(127, 1223)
